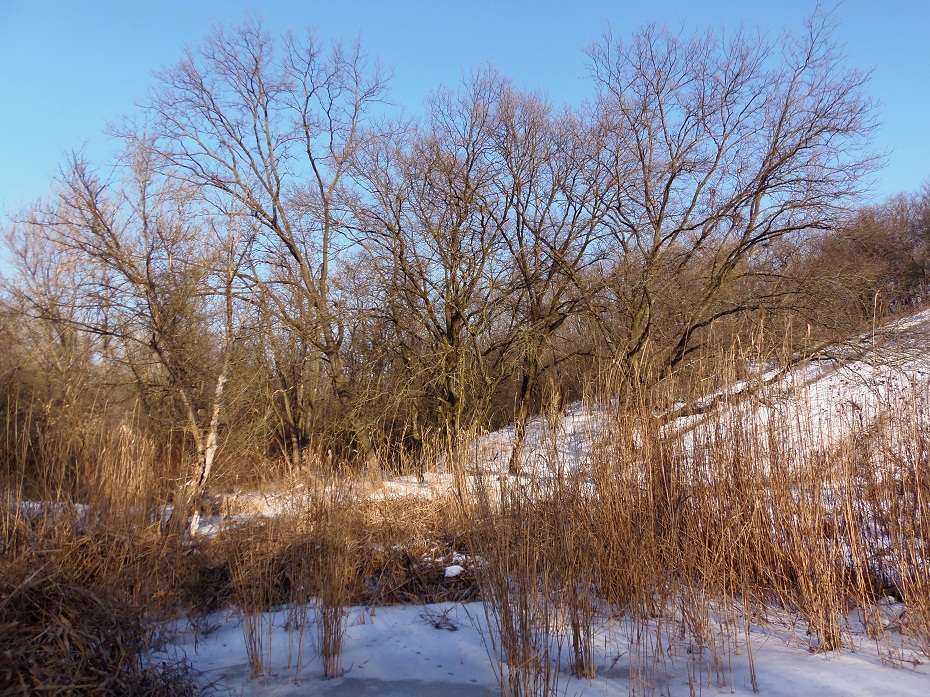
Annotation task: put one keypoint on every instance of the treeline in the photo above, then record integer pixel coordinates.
(281, 270)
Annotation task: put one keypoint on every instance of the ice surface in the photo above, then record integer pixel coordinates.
(399, 651)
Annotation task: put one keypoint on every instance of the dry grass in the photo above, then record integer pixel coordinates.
(87, 578)
(686, 537)
(332, 551)
(80, 608)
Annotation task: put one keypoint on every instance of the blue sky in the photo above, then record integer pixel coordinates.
(67, 68)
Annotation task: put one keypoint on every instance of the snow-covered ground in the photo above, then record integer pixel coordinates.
(440, 650)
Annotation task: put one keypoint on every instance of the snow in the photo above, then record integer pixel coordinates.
(388, 650)
(439, 650)
(817, 404)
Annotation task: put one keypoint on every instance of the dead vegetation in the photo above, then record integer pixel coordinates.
(80, 607)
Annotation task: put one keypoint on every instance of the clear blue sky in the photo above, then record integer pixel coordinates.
(67, 68)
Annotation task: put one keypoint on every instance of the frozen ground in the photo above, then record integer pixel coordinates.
(437, 651)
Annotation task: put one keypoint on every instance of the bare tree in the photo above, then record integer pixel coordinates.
(876, 264)
(433, 220)
(273, 129)
(480, 224)
(553, 221)
(50, 371)
(295, 376)
(716, 146)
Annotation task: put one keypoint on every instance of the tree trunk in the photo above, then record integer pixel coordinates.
(527, 385)
(192, 490)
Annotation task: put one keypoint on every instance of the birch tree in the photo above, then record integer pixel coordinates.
(170, 282)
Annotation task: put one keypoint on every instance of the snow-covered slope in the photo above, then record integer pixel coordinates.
(821, 401)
